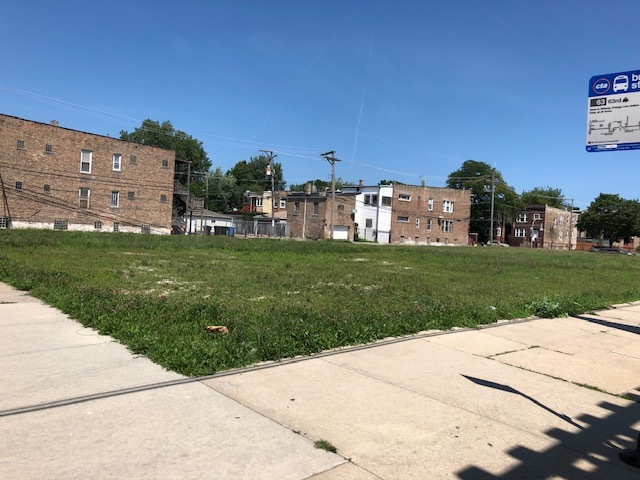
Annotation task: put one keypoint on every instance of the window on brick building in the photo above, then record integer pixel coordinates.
(417, 223)
(447, 206)
(61, 224)
(131, 195)
(165, 163)
(20, 144)
(145, 229)
(163, 198)
(115, 198)
(116, 226)
(84, 194)
(405, 197)
(48, 148)
(521, 232)
(316, 208)
(403, 219)
(4, 222)
(133, 159)
(447, 226)
(46, 187)
(522, 217)
(97, 225)
(429, 224)
(86, 158)
(283, 203)
(296, 208)
(117, 162)
(430, 204)
(340, 208)
(19, 185)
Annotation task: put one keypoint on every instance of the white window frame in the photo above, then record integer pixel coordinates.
(430, 204)
(84, 201)
(117, 162)
(404, 197)
(115, 198)
(522, 217)
(447, 226)
(447, 206)
(283, 203)
(536, 216)
(521, 233)
(86, 161)
(429, 225)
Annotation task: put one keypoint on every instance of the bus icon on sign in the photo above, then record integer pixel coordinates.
(620, 83)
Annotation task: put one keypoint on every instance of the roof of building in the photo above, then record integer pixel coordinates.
(51, 125)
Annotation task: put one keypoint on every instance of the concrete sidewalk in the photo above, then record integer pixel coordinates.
(519, 400)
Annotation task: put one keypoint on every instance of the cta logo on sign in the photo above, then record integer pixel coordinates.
(601, 86)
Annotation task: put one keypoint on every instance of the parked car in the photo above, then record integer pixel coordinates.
(599, 249)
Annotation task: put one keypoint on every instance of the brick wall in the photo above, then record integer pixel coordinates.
(424, 215)
(40, 165)
(309, 216)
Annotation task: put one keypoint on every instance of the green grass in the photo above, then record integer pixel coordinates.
(280, 298)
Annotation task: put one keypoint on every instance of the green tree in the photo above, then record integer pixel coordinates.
(552, 197)
(164, 135)
(611, 217)
(221, 190)
(478, 177)
(252, 176)
(321, 185)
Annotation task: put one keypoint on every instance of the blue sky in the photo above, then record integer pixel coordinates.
(404, 90)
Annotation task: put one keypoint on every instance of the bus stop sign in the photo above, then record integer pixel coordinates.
(613, 112)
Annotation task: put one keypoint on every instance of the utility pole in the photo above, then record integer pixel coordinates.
(493, 190)
(271, 172)
(5, 202)
(329, 157)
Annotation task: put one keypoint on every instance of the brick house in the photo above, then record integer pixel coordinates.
(424, 215)
(265, 203)
(309, 215)
(55, 177)
(542, 226)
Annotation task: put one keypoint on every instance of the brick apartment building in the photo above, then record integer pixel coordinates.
(542, 226)
(309, 215)
(58, 178)
(424, 215)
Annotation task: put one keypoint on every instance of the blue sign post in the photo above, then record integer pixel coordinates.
(613, 118)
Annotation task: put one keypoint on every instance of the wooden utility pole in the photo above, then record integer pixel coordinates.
(5, 203)
(271, 172)
(329, 157)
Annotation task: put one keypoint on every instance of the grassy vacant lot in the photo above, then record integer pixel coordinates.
(285, 298)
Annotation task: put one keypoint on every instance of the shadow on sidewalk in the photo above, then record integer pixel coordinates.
(588, 453)
(606, 323)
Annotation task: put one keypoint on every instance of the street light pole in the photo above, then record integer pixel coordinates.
(533, 225)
